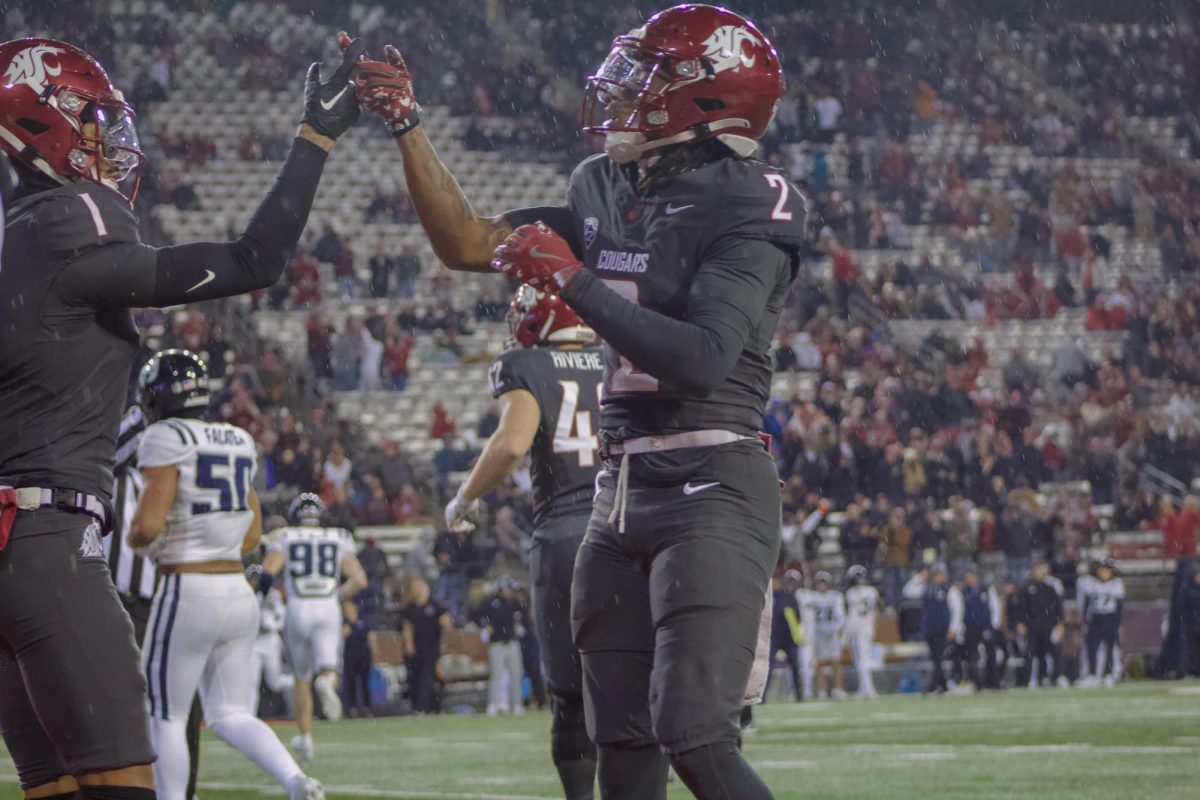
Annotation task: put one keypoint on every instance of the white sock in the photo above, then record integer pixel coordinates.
(259, 744)
(171, 768)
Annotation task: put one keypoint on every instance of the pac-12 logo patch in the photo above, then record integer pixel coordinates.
(91, 546)
(591, 227)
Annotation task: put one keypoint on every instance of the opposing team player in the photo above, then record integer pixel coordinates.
(829, 616)
(862, 601)
(198, 516)
(678, 249)
(316, 558)
(549, 391)
(72, 695)
(268, 645)
(1101, 602)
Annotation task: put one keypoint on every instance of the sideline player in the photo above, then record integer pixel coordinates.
(679, 250)
(548, 385)
(1101, 601)
(197, 517)
(316, 558)
(829, 614)
(72, 695)
(862, 601)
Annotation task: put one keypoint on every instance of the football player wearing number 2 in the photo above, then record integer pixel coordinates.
(197, 517)
(678, 249)
(549, 391)
(314, 558)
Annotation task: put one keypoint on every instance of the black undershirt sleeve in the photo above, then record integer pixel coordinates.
(728, 296)
(557, 218)
(137, 275)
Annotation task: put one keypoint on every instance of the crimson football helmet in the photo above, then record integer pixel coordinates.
(691, 72)
(538, 318)
(61, 115)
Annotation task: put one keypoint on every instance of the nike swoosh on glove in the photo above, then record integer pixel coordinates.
(385, 88)
(536, 255)
(331, 107)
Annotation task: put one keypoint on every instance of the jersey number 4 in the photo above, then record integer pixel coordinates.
(573, 430)
(212, 472)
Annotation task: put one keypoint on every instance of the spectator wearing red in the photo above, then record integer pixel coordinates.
(395, 359)
(1179, 535)
(443, 423)
(304, 279)
(846, 275)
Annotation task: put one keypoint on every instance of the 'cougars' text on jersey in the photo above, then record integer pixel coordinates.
(649, 248)
(566, 385)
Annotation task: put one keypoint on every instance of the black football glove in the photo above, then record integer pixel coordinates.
(331, 107)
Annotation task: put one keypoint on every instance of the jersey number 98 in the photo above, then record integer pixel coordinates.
(300, 554)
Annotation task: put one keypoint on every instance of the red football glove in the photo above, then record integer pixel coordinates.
(386, 89)
(536, 255)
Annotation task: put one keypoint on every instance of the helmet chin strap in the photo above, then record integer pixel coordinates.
(624, 147)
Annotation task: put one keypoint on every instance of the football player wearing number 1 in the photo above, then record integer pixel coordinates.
(679, 250)
(549, 390)
(197, 517)
(316, 558)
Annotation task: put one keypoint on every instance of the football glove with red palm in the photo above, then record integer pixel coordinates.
(536, 255)
(385, 88)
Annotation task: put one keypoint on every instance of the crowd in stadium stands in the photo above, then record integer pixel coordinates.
(922, 463)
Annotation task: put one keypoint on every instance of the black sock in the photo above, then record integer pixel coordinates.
(632, 772)
(578, 778)
(116, 793)
(718, 772)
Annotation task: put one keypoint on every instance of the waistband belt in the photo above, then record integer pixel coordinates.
(31, 498)
(673, 441)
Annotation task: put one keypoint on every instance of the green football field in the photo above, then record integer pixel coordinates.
(1136, 741)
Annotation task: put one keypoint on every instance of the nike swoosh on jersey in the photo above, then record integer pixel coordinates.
(331, 103)
(673, 209)
(207, 278)
(533, 251)
(691, 488)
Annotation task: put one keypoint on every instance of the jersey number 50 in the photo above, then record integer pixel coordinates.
(212, 472)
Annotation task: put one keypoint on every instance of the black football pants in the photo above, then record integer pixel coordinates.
(666, 615)
(552, 560)
(72, 694)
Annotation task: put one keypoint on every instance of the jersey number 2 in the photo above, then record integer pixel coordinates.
(573, 430)
(225, 485)
(780, 183)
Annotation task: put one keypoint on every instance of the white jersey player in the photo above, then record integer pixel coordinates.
(862, 600)
(268, 646)
(829, 615)
(1101, 603)
(197, 517)
(808, 647)
(314, 559)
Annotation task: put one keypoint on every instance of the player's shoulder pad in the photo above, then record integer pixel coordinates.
(515, 369)
(588, 167)
(758, 202)
(84, 215)
(165, 443)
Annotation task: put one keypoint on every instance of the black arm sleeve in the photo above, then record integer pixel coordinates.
(728, 296)
(133, 274)
(557, 218)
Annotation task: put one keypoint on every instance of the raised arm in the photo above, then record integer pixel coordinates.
(462, 239)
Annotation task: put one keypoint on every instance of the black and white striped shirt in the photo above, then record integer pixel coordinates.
(132, 574)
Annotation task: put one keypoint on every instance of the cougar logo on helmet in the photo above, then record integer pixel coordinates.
(724, 48)
(30, 68)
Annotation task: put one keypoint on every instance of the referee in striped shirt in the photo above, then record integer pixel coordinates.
(134, 575)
